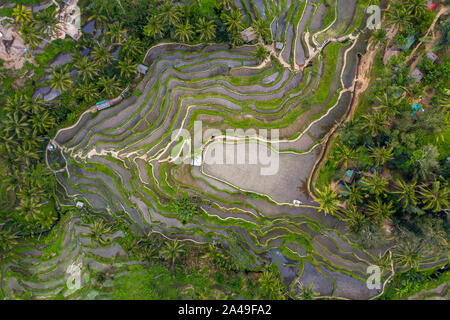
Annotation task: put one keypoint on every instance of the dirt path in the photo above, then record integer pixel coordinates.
(363, 80)
(443, 10)
(360, 84)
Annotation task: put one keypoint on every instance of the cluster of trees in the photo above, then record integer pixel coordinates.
(186, 207)
(26, 184)
(212, 260)
(410, 18)
(108, 63)
(190, 21)
(403, 171)
(200, 268)
(28, 122)
(38, 28)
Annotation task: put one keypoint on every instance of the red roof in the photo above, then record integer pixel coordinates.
(433, 6)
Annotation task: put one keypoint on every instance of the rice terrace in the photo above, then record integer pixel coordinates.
(220, 149)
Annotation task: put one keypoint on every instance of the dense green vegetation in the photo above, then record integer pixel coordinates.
(400, 158)
(28, 187)
(175, 270)
(28, 123)
(400, 194)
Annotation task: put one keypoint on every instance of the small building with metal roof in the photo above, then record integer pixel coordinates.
(79, 205)
(142, 69)
(248, 34)
(349, 176)
(417, 74)
(416, 110)
(103, 105)
(433, 57)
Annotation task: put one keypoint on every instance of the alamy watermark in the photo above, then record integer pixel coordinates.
(73, 281)
(374, 279)
(374, 19)
(234, 146)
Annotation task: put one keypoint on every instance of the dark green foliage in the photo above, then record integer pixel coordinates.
(186, 207)
(437, 75)
(408, 184)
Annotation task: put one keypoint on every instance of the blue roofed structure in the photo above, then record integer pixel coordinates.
(349, 176)
(409, 42)
(103, 105)
(142, 69)
(416, 110)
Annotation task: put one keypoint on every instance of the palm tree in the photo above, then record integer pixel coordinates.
(381, 155)
(88, 92)
(226, 4)
(206, 29)
(41, 178)
(376, 184)
(355, 195)
(17, 123)
(172, 252)
(133, 48)
(99, 17)
(13, 180)
(400, 16)
(102, 55)
(261, 53)
(154, 28)
(42, 123)
(379, 36)
(170, 14)
(270, 286)
(388, 104)
(408, 254)
(373, 123)
(7, 240)
(35, 105)
(110, 86)
(233, 20)
(28, 190)
(102, 6)
(8, 143)
(354, 218)
(184, 31)
(426, 160)
(31, 142)
(15, 102)
(214, 254)
(435, 198)
(380, 210)
(116, 32)
(27, 154)
(21, 13)
(328, 200)
(29, 34)
(29, 208)
(127, 67)
(82, 43)
(60, 80)
(261, 28)
(48, 22)
(407, 193)
(99, 229)
(86, 69)
(417, 7)
(307, 292)
(344, 154)
(46, 220)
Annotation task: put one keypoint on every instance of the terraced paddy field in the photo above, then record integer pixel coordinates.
(120, 160)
